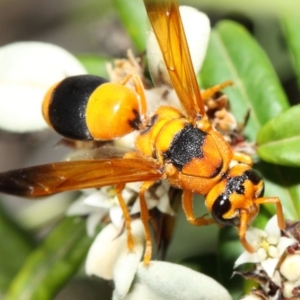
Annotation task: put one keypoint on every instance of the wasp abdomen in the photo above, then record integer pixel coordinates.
(88, 107)
(64, 106)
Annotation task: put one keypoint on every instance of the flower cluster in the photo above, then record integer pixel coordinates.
(276, 261)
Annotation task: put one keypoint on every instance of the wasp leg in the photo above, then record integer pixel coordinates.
(244, 220)
(130, 242)
(187, 204)
(279, 211)
(145, 218)
(243, 158)
(139, 88)
(207, 94)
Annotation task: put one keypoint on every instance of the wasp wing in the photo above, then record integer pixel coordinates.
(73, 175)
(165, 19)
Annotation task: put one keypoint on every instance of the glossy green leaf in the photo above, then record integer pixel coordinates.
(282, 182)
(290, 25)
(15, 247)
(279, 140)
(52, 263)
(133, 16)
(94, 64)
(233, 54)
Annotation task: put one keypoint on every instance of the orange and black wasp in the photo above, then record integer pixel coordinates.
(179, 146)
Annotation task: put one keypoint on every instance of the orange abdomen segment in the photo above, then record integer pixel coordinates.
(112, 112)
(64, 105)
(147, 141)
(89, 107)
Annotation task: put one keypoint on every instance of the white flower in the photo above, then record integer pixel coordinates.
(160, 199)
(164, 280)
(110, 258)
(290, 267)
(269, 246)
(98, 203)
(28, 70)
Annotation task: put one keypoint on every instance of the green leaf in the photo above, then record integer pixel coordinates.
(279, 140)
(95, 64)
(15, 247)
(290, 24)
(133, 16)
(282, 182)
(234, 55)
(52, 263)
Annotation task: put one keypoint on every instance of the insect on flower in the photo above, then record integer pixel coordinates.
(181, 147)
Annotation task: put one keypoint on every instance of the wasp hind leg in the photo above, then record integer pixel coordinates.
(145, 218)
(187, 204)
(130, 242)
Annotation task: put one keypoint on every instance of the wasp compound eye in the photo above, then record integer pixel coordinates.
(257, 181)
(221, 206)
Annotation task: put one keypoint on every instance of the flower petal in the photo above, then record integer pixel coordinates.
(103, 252)
(164, 205)
(269, 265)
(109, 257)
(28, 70)
(283, 243)
(246, 257)
(163, 281)
(98, 199)
(93, 220)
(272, 228)
(79, 208)
(136, 208)
(127, 262)
(116, 216)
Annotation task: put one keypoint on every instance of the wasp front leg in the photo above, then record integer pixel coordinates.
(246, 218)
(244, 221)
(279, 211)
(187, 204)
